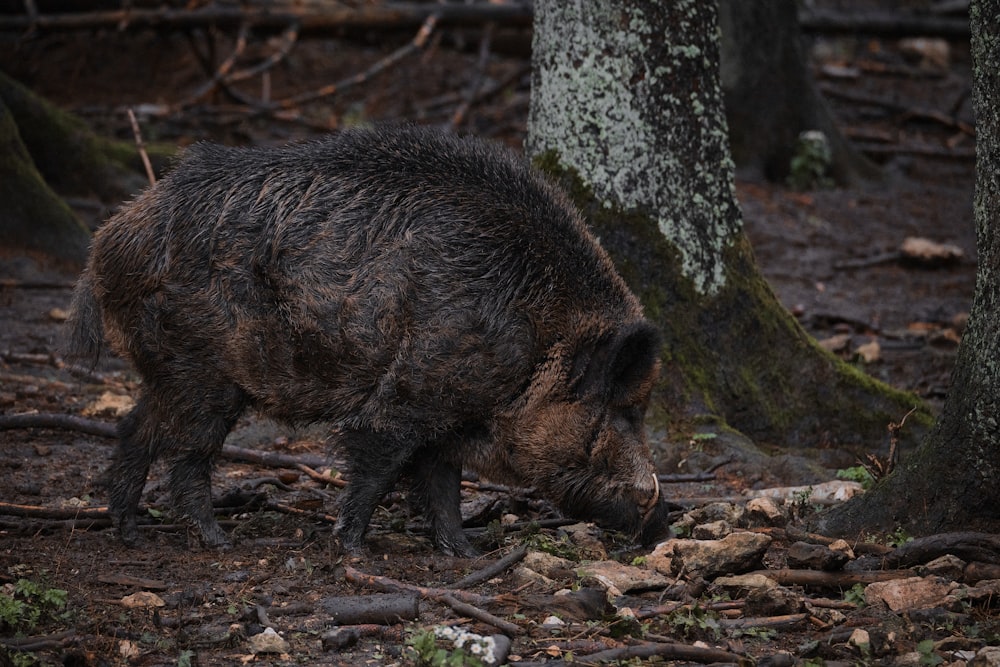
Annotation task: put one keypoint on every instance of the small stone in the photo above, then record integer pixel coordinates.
(549, 566)
(765, 512)
(268, 641)
(803, 555)
(735, 553)
(909, 593)
(948, 566)
(860, 638)
(988, 656)
(128, 649)
(715, 530)
(58, 315)
(842, 546)
(615, 576)
(142, 599)
(553, 622)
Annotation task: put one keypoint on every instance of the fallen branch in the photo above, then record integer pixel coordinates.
(787, 577)
(39, 642)
(885, 24)
(896, 107)
(58, 421)
(466, 609)
(463, 602)
(980, 547)
(493, 570)
(314, 19)
(647, 650)
(416, 44)
(56, 513)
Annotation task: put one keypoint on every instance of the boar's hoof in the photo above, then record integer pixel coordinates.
(456, 546)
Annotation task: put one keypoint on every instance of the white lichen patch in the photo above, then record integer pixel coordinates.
(603, 98)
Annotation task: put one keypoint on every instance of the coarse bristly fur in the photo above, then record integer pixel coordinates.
(433, 298)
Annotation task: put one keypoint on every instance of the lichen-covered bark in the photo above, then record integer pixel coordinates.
(627, 111)
(621, 90)
(952, 481)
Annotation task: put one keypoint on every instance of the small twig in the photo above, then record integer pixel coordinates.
(466, 609)
(218, 78)
(38, 643)
(56, 513)
(59, 421)
(309, 514)
(685, 652)
(907, 112)
(458, 117)
(141, 147)
(416, 44)
(492, 570)
(763, 622)
(866, 262)
(337, 481)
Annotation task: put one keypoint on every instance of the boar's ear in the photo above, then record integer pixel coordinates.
(621, 363)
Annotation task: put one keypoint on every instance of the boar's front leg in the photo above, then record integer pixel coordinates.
(436, 487)
(375, 462)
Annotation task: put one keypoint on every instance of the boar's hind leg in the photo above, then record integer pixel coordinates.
(437, 486)
(375, 462)
(201, 428)
(137, 445)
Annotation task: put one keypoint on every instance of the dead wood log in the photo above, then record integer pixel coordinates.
(377, 609)
(782, 621)
(314, 20)
(58, 421)
(648, 650)
(492, 570)
(882, 24)
(980, 547)
(818, 579)
(57, 513)
(134, 582)
(445, 596)
(39, 642)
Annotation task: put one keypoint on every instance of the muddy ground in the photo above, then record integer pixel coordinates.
(828, 255)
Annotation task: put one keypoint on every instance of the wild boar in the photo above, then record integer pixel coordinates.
(434, 299)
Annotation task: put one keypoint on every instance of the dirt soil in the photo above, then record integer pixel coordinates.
(830, 255)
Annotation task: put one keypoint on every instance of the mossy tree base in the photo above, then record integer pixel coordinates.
(738, 355)
(45, 151)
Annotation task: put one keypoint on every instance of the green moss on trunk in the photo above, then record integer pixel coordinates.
(69, 156)
(738, 354)
(33, 219)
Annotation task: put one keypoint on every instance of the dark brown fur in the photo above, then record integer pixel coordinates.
(433, 298)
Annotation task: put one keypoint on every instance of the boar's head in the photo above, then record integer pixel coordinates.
(578, 437)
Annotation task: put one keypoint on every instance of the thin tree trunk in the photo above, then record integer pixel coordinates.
(626, 109)
(952, 481)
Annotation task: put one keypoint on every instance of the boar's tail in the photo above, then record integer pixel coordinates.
(86, 329)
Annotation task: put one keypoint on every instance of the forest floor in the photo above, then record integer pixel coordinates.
(831, 255)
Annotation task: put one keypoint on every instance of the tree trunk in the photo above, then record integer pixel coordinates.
(952, 480)
(770, 96)
(626, 109)
(45, 151)
(33, 219)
